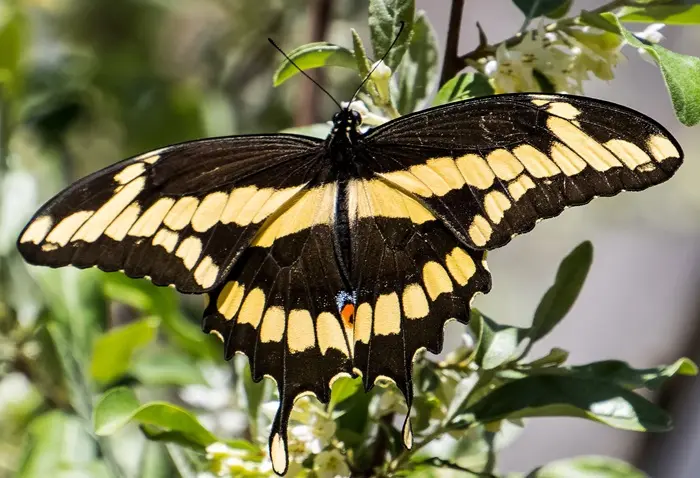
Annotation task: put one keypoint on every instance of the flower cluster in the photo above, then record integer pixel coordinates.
(561, 60)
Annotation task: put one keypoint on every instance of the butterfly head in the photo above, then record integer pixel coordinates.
(346, 123)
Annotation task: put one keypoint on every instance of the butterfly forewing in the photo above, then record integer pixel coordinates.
(180, 215)
(491, 168)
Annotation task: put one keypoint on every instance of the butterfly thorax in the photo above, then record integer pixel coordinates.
(344, 135)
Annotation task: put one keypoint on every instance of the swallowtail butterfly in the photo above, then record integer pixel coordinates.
(346, 256)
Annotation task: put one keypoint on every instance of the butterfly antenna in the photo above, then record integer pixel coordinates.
(379, 62)
(304, 73)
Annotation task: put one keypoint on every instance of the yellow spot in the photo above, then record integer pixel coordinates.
(300, 331)
(250, 209)
(329, 333)
(475, 171)
(645, 168)
(448, 172)
(461, 266)
(37, 230)
(662, 148)
(49, 247)
(436, 280)
(130, 172)
(431, 178)
(363, 323)
(252, 309)
(217, 334)
(278, 455)
(569, 162)
(181, 213)
(152, 218)
(408, 182)
(589, 149)
(312, 207)
(564, 110)
(504, 164)
(629, 153)
(93, 227)
(407, 433)
(189, 251)
(387, 315)
(121, 225)
(538, 102)
(480, 231)
(230, 298)
(151, 159)
(276, 201)
(272, 329)
(206, 272)
(496, 203)
(520, 186)
(414, 301)
(166, 238)
(536, 162)
(377, 198)
(237, 200)
(209, 211)
(64, 230)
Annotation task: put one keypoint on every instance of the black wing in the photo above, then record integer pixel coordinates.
(180, 215)
(491, 167)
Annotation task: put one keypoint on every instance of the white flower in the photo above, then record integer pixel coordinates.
(315, 435)
(368, 118)
(227, 461)
(380, 76)
(652, 33)
(331, 464)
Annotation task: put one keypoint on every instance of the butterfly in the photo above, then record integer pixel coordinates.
(346, 256)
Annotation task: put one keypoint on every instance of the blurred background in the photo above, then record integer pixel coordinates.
(88, 82)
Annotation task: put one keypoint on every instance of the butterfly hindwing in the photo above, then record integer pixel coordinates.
(180, 215)
(492, 167)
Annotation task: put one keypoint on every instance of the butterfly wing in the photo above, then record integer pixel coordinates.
(491, 167)
(181, 215)
(279, 306)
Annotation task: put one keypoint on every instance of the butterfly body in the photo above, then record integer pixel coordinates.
(346, 256)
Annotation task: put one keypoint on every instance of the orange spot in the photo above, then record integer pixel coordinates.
(348, 314)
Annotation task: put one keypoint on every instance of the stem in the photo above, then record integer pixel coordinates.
(451, 63)
(484, 51)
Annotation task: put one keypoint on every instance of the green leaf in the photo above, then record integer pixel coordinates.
(681, 74)
(113, 351)
(622, 374)
(545, 84)
(554, 358)
(385, 17)
(669, 14)
(418, 72)
(166, 367)
(557, 301)
(538, 8)
(496, 344)
(587, 467)
(317, 130)
(568, 396)
(342, 389)
(462, 87)
(57, 441)
(119, 406)
(13, 32)
(313, 55)
(363, 63)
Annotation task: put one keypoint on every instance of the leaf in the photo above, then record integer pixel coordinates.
(569, 396)
(545, 84)
(462, 87)
(13, 33)
(363, 63)
(342, 389)
(622, 374)
(385, 17)
(669, 14)
(166, 367)
(313, 55)
(58, 441)
(113, 351)
(554, 358)
(418, 71)
(119, 406)
(557, 301)
(681, 74)
(496, 344)
(317, 130)
(538, 8)
(587, 467)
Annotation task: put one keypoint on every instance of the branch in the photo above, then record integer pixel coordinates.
(485, 50)
(451, 62)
